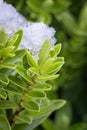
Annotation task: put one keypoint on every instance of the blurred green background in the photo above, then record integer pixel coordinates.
(69, 18)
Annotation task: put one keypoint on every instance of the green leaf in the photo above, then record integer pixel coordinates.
(7, 66)
(13, 89)
(52, 65)
(56, 51)
(7, 51)
(48, 77)
(18, 81)
(31, 126)
(6, 104)
(42, 87)
(25, 62)
(31, 60)
(17, 42)
(53, 105)
(37, 94)
(31, 105)
(3, 94)
(48, 125)
(45, 17)
(2, 112)
(43, 55)
(3, 38)
(54, 68)
(18, 55)
(21, 71)
(4, 79)
(34, 70)
(59, 59)
(46, 65)
(4, 124)
(63, 116)
(23, 119)
(35, 5)
(52, 53)
(12, 40)
(59, 6)
(46, 108)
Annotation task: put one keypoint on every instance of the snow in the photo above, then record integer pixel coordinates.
(34, 34)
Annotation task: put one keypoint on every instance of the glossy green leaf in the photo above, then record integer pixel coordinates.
(59, 59)
(25, 62)
(2, 112)
(59, 6)
(18, 81)
(4, 79)
(6, 104)
(3, 94)
(43, 55)
(52, 53)
(45, 17)
(7, 51)
(17, 42)
(12, 40)
(23, 119)
(54, 68)
(47, 6)
(46, 65)
(48, 77)
(37, 94)
(56, 51)
(31, 60)
(18, 55)
(31, 126)
(31, 106)
(7, 66)
(42, 87)
(3, 38)
(48, 125)
(35, 5)
(4, 124)
(34, 70)
(46, 107)
(63, 116)
(13, 89)
(21, 71)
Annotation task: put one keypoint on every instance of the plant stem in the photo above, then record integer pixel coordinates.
(20, 108)
(12, 120)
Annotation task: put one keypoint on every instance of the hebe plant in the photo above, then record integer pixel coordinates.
(24, 101)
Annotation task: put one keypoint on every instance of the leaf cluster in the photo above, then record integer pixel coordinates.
(70, 22)
(24, 83)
